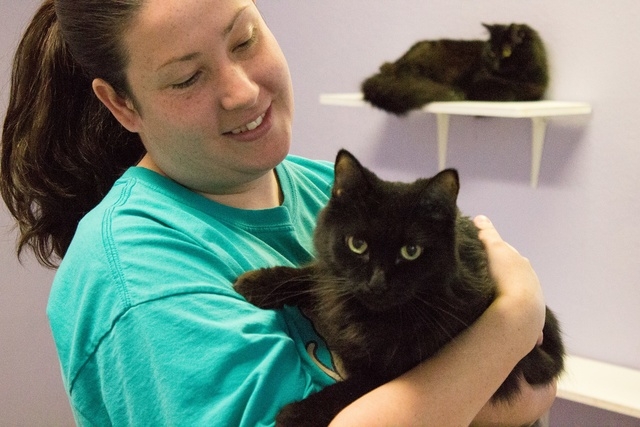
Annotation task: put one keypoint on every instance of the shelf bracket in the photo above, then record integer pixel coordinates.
(443, 136)
(538, 130)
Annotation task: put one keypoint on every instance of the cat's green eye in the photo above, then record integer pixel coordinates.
(357, 246)
(411, 252)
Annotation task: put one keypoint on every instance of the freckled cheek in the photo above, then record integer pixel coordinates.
(188, 116)
(275, 71)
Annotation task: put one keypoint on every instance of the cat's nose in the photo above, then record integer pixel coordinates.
(378, 283)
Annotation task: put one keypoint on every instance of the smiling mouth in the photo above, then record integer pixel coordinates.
(249, 126)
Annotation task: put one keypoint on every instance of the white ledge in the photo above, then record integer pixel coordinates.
(537, 111)
(602, 385)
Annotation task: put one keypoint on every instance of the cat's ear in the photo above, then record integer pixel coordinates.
(517, 33)
(449, 182)
(349, 174)
(488, 27)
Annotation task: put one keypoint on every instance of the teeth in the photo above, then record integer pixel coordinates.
(249, 126)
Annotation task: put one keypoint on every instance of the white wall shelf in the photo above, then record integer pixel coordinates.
(538, 111)
(602, 385)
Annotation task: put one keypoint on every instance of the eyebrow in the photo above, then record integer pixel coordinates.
(194, 55)
(185, 58)
(229, 27)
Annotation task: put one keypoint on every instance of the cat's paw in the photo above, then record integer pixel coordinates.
(253, 287)
(454, 95)
(275, 287)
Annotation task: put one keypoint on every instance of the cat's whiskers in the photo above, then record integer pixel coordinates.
(285, 292)
(332, 293)
(416, 316)
(440, 321)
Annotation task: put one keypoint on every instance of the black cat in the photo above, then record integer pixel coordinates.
(510, 66)
(398, 273)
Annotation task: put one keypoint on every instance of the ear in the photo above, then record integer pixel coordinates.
(517, 33)
(349, 174)
(449, 182)
(121, 108)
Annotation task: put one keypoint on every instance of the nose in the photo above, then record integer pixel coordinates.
(238, 90)
(378, 283)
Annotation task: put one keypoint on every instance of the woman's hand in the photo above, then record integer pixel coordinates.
(518, 285)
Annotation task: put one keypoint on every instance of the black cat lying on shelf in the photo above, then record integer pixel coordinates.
(510, 66)
(398, 273)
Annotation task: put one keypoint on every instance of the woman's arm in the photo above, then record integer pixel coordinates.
(451, 388)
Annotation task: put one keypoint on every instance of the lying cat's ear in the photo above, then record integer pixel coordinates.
(349, 173)
(517, 33)
(449, 182)
(488, 27)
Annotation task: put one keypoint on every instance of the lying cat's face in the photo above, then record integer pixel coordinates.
(386, 241)
(507, 44)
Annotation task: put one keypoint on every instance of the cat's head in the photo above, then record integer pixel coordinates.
(510, 44)
(387, 242)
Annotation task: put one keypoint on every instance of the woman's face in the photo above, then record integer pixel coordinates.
(212, 90)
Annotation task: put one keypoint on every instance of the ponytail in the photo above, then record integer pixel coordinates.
(61, 148)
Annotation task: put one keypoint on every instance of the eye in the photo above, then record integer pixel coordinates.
(357, 246)
(187, 83)
(411, 252)
(247, 43)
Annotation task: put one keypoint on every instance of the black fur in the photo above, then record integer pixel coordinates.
(510, 66)
(398, 273)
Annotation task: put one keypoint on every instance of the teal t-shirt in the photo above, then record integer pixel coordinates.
(148, 328)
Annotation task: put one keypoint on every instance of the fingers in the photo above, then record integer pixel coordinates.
(505, 262)
(482, 222)
(513, 274)
(488, 233)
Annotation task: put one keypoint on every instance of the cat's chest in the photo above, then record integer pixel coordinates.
(387, 343)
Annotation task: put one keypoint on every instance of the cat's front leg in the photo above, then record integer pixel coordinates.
(272, 288)
(492, 89)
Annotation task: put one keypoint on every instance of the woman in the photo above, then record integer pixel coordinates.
(146, 145)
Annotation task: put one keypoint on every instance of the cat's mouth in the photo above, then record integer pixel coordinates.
(381, 302)
(373, 305)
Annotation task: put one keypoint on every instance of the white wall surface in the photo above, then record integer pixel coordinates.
(579, 228)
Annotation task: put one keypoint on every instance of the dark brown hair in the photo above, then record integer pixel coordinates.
(61, 148)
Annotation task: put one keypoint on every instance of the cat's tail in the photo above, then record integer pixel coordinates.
(400, 94)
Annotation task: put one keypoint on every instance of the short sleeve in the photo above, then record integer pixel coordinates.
(196, 359)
